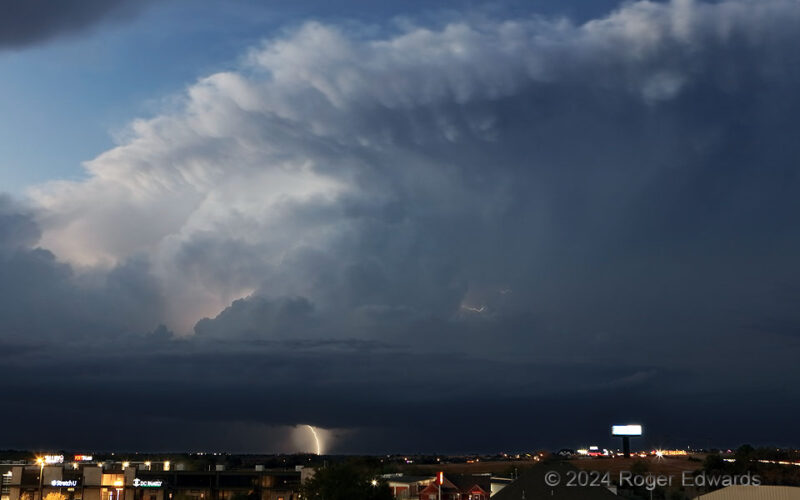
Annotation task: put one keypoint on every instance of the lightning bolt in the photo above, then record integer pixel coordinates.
(316, 439)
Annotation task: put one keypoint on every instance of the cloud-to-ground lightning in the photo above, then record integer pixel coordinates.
(316, 439)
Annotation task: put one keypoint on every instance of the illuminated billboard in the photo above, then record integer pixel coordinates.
(626, 430)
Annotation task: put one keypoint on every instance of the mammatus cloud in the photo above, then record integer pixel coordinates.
(29, 22)
(580, 209)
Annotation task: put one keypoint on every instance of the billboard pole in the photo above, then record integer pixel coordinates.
(625, 432)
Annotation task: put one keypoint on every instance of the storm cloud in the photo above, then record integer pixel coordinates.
(512, 220)
(46, 301)
(30, 22)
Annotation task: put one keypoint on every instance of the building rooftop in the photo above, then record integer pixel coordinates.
(531, 486)
(408, 479)
(754, 493)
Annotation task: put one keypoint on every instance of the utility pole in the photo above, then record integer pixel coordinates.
(41, 477)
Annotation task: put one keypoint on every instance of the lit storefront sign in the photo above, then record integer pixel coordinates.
(83, 458)
(54, 459)
(68, 483)
(138, 483)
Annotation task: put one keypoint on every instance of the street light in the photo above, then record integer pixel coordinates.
(40, 461)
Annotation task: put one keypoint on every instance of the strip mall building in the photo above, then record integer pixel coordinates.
(116, 482)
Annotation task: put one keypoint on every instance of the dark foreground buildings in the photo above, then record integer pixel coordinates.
(532, 484)
(118, 482)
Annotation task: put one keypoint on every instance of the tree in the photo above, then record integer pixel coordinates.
(744, 454)
(714, 463)
(345, 482)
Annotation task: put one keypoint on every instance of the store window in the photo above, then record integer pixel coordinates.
(112, 493)
(114, 480)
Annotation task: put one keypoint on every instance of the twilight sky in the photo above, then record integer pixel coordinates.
(454, 226)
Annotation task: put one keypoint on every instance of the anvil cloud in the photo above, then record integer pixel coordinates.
(516, 220)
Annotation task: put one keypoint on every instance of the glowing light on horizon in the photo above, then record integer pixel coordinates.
(316, 439)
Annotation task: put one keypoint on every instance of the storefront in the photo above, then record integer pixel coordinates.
(117, 482)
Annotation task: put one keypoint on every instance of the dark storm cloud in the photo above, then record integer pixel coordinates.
(217, 393)
(257, 316)
(43, 299)
(28, 22)
(521, 225)
(18, 228)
